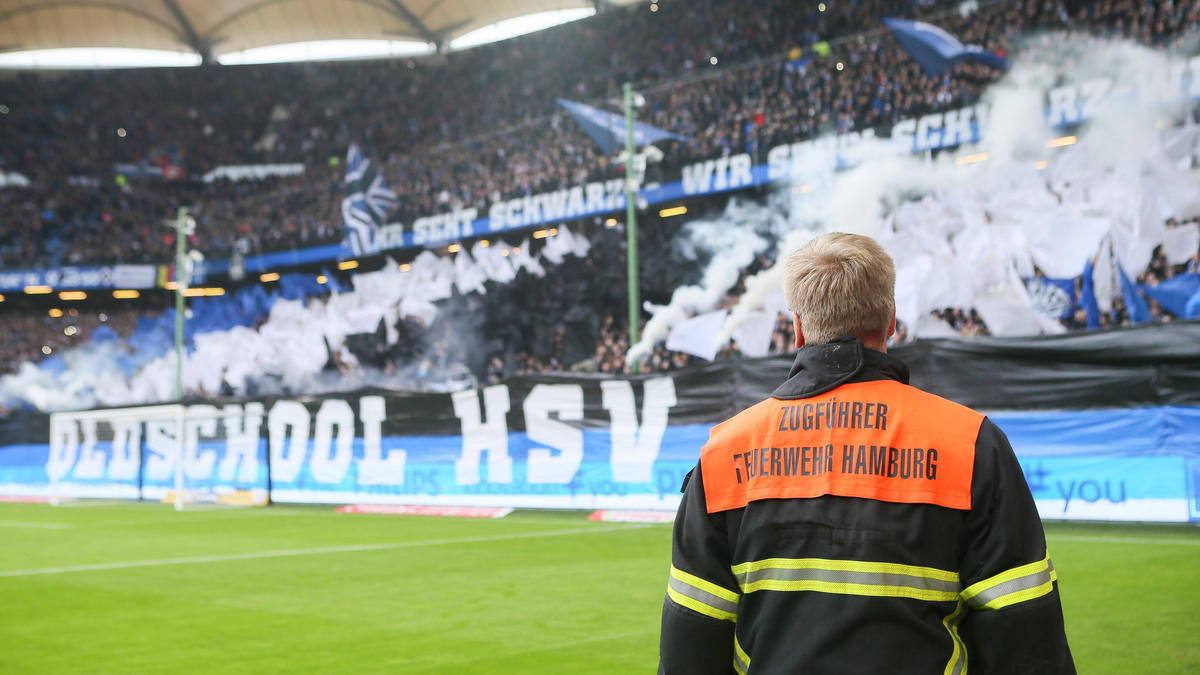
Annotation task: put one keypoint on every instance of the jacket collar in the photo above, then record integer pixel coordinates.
(820, 368)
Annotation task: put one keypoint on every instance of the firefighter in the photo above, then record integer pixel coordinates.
(852, 523)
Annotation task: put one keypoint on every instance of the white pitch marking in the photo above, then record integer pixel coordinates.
(305, 551)
(1124, 540)
(34, 524)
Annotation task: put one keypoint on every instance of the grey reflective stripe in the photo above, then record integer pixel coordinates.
(960, 664)
(701, 596)
(1017, 585)
(958, 657)
(849, 577)
(740, 664)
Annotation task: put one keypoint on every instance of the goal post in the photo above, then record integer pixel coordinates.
(181, 454)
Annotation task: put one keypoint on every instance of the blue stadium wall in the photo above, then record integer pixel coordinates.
(1105, 424)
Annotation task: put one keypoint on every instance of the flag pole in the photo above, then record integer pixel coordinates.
(631, 252)
(181, 282)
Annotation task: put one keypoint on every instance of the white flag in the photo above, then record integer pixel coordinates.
(697, 335)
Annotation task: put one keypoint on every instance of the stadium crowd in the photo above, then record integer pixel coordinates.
(729, 81)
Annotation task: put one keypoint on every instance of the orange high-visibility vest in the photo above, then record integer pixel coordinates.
(880, 440)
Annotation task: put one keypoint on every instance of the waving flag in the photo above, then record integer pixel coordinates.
(608, 129)
(1135, 304)
(1088, 296)
(935, 49)
(369, 199)
(1175, 293)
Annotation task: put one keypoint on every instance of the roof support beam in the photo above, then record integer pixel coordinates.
(202, 47)
(415, 21)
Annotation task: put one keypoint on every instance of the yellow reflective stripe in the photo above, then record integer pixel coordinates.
(706, 586)
(875, 590)
(958, 656)
(741, 660)
(848, 577)
(697, 606)
(845, 565)
(702, 596)
(1013, 586)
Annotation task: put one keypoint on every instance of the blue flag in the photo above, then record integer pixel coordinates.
(608, 129)
(369, 199)
(935, 49)
(1192, 311)
(1175, 293)
(1135, 304)
(1054, 298)
(1087, 292)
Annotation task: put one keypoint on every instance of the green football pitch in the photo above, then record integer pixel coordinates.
(139, 588)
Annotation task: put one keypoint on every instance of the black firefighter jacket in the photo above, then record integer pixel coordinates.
(854, 524)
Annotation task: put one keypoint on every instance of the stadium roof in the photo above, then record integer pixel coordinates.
(214, 27)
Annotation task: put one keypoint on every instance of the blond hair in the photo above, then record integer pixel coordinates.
(841, 283)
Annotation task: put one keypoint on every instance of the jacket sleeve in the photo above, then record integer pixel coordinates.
(700, 609)
(1014, 622)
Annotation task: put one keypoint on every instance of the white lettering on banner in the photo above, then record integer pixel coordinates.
(542, 401)
(940, 130)
(723, 173)
(956, 127)
(818, 154)
(739, 170)
(515, 215)
(197, 464)
(243, 433)
(375, 468)
(64, 448)
(444, 227)
(91, 461)
(926, 125)
(1074, 103)
(903, 133)
(126, 450)
(487, 431)
(333, 442)
(554, 205)
(1094, 93)
(1062, 108)
(562, 204)
(496, 217)
(595, 197)
(377, 239)
(161, 449)
(287, 459)
(779, 163)
(634, 449)
(697, 178)
(575, 201)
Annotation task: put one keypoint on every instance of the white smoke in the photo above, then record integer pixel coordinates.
(733, 239)
(964, 233)
(288, 351)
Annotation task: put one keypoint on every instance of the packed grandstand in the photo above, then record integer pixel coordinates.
(105, 159)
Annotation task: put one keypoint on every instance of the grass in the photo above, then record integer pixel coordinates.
(535, 592)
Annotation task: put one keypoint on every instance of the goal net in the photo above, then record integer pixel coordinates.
(181, 454)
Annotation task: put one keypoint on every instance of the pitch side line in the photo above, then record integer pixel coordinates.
(309, 551)
(1123, 540)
